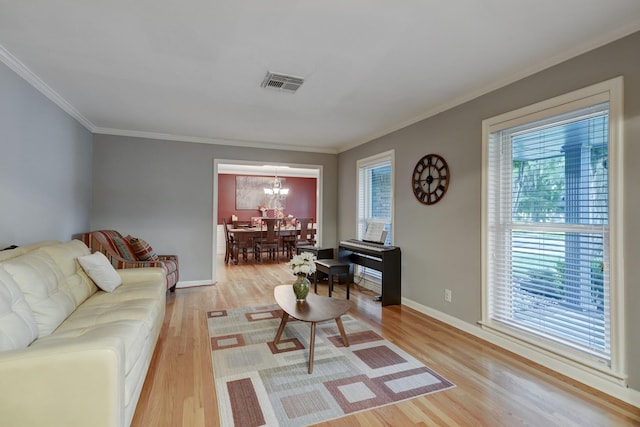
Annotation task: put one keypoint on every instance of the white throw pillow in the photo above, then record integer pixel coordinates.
(98, 267)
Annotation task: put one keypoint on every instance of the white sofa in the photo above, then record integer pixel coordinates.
(70, 353)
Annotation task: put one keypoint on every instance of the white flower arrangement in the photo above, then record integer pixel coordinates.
(303, 263)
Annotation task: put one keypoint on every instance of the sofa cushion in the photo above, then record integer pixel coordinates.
(18, 327)
(21, 250)
(131, 333)
(65, 255)
(98, 267)
(142, 249)
(102, 308)
(44, 287)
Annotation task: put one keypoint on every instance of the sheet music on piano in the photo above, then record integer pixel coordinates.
(375, 232)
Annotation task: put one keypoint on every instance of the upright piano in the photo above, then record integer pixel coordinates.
(383, 258)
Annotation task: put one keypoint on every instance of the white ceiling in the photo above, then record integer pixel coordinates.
(191, 69)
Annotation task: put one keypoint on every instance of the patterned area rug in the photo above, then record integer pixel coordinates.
(260, 384)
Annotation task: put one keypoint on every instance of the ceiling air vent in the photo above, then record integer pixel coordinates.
(282, 82)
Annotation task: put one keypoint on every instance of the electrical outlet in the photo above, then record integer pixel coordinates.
(447, 295)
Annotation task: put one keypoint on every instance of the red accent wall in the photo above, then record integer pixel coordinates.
(301, 201)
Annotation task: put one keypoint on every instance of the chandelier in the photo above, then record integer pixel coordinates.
(276, 188)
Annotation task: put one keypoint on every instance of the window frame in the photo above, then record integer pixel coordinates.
(384, 157)
(608, 91)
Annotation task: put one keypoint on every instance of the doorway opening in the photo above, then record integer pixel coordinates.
(227, 171)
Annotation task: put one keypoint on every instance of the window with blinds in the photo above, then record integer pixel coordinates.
(375, 196)
(547, 228)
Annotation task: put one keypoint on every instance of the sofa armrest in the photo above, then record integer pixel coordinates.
(138, 264)
(38, 385)
(137, 275)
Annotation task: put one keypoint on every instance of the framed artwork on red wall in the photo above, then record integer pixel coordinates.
(250, 193)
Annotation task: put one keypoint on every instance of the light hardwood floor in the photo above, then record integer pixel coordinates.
(494, 387)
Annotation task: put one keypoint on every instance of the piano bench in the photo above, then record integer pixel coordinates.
(330, 267)
(320, 253)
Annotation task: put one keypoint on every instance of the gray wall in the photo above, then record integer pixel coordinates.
(162, 191)
(441, 243)
(45, 167)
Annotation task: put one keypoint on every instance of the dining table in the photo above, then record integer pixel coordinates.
(244, 236)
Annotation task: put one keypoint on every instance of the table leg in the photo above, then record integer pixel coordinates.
(315, 282)
(283, 322)
(342, 333)
(311, 345)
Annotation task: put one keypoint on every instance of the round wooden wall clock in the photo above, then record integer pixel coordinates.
(430, 179)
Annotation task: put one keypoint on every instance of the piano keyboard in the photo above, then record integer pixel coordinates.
(365, 245)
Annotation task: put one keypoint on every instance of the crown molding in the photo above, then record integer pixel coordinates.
(566, 55)
(215, 141)
(23, 71)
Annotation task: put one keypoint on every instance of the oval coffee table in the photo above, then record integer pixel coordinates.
(316, 309)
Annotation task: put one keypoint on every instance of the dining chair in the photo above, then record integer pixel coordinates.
(229, 247)
(269, 241)
(241, 223)
(241, 245)
(306, 237)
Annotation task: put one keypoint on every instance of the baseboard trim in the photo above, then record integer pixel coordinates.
(192, 283)
(610, 388)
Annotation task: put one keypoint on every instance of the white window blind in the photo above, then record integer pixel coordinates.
(547, 231)
(375, 196)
